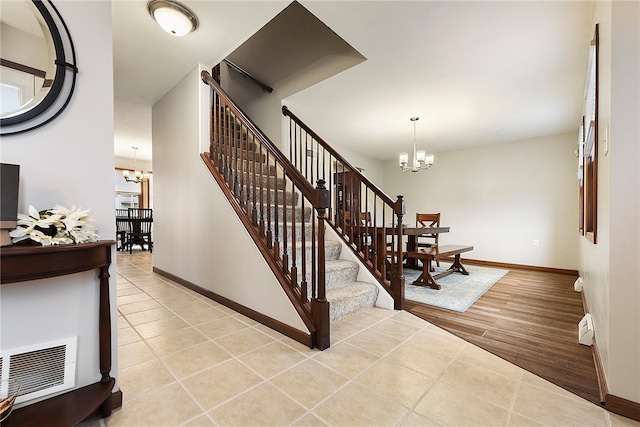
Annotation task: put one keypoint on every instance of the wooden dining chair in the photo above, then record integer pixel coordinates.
(122, 228)
(140, 223)
(360, 231)
(428, 240)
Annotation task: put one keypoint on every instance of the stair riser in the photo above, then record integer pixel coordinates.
(332, 251)
(335, 277)
(289, 198)
(357, 299)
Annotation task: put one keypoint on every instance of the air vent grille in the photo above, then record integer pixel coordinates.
(38, 370)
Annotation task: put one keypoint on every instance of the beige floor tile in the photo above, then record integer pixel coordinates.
(249, 321)
(429, 362)
(195, 359)
(534, 380)
(203, 315)
(449, 406)
(159, 327)
(355, 405)
(220, 383)
(129, 289)
(554, 409)
(201, 421)
(138, 306)
(363, 318)
(132, 354)
(620, 421)
(176, 341)
(272, 359)
(395, 382)
(517, 420)
(309, 383)
(143, 378)
(432, 339)
(185, 306)
(243, 341)
(122, 322)
(130, 299)
(268, 331)
(395, 329)
(374, 342)
(494, 388)
(302, 348)
(478, 357)
(147, 316)
(345, 358)
(309, 420)
(380, 312)
(127, 335)
(409, 319)
(167, 406)
(260, 406)
(343, 329)
(221, 327)
(417, 420)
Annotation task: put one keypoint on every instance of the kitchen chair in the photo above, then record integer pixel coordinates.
(428, 240)
(122, 228)
(140, 222)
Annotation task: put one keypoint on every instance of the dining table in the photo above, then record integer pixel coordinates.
(132, 226)
(412, 233)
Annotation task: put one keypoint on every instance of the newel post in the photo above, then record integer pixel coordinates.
(319, 304)
(398, 274)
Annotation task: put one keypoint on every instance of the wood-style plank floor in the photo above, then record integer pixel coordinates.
(529, 318)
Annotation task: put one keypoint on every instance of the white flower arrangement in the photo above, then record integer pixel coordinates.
(57, 226)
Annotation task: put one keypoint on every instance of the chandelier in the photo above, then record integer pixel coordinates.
(136, 176)
(421, 160)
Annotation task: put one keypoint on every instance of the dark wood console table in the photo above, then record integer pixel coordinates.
(22, 263)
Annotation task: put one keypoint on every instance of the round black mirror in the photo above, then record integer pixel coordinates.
(34, 95)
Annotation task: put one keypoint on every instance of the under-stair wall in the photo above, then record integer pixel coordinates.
(188, 201)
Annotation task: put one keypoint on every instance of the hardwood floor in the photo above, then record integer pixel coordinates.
(529, 318)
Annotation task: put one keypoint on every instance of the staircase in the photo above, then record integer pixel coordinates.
(285, 216)
(345, 294)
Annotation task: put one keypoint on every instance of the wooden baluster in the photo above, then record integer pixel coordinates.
(285, 240)
(303, 248)
(294, 267)
(262, 204)
(270, 239)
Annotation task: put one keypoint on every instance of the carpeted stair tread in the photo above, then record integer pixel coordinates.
(350, 298)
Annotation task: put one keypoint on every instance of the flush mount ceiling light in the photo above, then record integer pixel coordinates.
(175, 18)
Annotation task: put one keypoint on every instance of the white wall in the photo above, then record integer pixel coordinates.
(69, 162)
(610, 268)
(499, 198)
(198, 236)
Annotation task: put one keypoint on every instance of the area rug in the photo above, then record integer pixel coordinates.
(458, 291)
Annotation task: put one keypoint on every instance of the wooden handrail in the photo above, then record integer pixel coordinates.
(385, 198)
(246, 74)
(307, 188)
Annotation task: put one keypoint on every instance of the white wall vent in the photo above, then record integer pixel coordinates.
(39, 370)
(585, 330)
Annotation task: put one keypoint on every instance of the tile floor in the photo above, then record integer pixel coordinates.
(185, 360)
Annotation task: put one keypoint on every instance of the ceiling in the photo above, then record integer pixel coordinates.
(475, 72)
